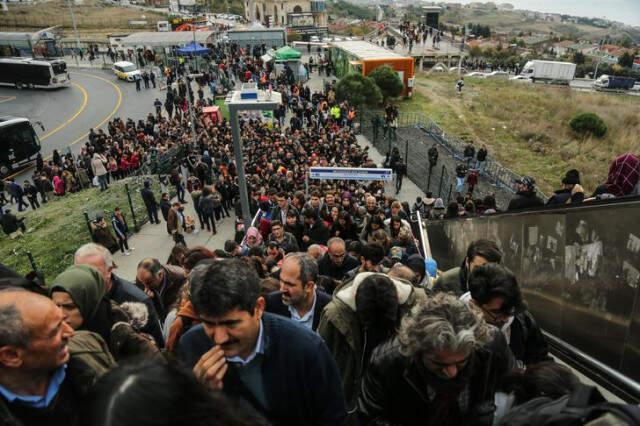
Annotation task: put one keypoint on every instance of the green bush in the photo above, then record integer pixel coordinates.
(588, 123)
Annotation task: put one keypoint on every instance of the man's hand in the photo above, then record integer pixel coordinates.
(211, 368)
(305, 239)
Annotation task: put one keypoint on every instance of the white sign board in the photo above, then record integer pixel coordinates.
(350, 173)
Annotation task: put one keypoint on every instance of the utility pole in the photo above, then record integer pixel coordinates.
(75, 30)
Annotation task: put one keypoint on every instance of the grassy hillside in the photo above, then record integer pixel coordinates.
(92, 14)
(506, 21)
(526, 126)
(58, 228)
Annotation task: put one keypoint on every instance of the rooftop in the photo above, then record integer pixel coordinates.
(366, 50)
(173, 38)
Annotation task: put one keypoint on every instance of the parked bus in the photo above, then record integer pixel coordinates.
(33, 73)
(19, 143)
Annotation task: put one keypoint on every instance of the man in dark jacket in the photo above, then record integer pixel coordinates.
(315, 232)
(421, 378)
(433, 156)
(38, 383)
(494, 291)
(571, 192)
(526, 197)
(456, 280)
(162, 283)
(298, 298)
(118, 289)
(150, 202)
(336, 263)
(264, 359)
(17, 193)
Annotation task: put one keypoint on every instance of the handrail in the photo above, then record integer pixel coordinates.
(253, 223)
(612, 380)
(426, 248)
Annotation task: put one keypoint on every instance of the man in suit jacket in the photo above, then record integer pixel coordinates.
(282, 370)
(298, 297)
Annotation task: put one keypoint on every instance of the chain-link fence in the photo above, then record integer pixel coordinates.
(437, 180)
(414, 149)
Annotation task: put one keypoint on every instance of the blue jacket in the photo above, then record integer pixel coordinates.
(301, 379)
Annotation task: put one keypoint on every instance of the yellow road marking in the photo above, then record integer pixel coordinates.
(74, 116)
(111, 114)
(9, 98)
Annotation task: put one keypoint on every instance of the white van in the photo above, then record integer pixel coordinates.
(126, 70)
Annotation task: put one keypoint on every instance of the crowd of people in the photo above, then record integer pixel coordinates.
(323, 312)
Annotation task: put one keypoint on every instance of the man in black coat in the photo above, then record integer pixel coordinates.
(420, 378)
(298, 298)
(526, 197)
(315, 232)
(336, 263)
(150, 202)
(281, 369)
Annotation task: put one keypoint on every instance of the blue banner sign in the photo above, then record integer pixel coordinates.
(350, 173)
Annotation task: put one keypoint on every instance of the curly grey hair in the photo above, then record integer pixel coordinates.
(442, 323)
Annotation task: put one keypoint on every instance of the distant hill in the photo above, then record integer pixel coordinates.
(344, 9)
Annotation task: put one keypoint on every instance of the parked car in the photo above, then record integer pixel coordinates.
(475, 74)
(521, 79)
(438, 68)
(497, 74)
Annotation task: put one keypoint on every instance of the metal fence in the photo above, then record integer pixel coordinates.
(438, 181)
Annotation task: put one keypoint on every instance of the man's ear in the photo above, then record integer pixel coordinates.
(10, 356)
(259, 309)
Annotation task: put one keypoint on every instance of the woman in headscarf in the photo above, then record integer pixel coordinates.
(252, 239)
(80, 292)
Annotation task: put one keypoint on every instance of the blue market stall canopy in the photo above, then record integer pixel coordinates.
(193, 49)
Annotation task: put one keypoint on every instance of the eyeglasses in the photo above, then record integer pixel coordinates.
(496, 315)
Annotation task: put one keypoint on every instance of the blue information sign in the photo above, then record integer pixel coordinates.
(350, 173)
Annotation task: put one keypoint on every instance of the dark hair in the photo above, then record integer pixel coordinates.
(355, 246)
(160, 393)
(292, 213)
(195, 255)
(493, 280)
(224, 286)
(275, 223)
(230, 246)
(485, 248)
(452, 210)
(269, 285)
(377, 303)
(310, 214)
(546, 378)
(150, 264)
(373, 253)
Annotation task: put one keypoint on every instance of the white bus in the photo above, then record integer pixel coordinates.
(33, 73)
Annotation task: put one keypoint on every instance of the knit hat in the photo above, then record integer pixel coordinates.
(439, 204)
(572, 177)
(85, 286)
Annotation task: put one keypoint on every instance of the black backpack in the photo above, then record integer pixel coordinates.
(582, 406)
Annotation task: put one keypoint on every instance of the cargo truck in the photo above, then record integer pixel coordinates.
(614, 83)
(549, 71)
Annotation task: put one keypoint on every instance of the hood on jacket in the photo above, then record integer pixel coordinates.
(348, 293)
(85, 286)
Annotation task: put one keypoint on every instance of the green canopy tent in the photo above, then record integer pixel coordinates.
(287, 53)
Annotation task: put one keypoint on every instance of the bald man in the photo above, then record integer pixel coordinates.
(34, 353)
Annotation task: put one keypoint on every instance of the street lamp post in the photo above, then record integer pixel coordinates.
(249, 98)
(75, 29)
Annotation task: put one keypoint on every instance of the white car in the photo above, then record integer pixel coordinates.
(463, 70)
(497, 74)
(475, 74)
(314, 39)
(126, 71)
(521, 78)
(636, 87)
(337, 39)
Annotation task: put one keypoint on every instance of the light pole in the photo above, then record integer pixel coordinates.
(75, 30)
(249, 98)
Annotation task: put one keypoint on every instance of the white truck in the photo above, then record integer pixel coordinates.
(550, 71)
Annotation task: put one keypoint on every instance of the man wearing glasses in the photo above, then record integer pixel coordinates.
(495, 292)
(442, 368)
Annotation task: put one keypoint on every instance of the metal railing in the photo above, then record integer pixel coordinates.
(372, 122)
